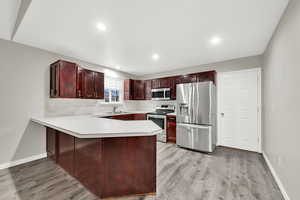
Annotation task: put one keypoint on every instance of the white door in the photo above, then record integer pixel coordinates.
(239, 109)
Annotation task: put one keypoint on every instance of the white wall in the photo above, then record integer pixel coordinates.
(281, 100)
(230, 65)
(24, 91)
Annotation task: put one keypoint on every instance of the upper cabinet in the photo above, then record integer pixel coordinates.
(63, 76)
(99, 85)
(134, 89)
(67, 80)
(148, 88)
(141, 90)
(173, 83)
(128, 89)
(160, 83)
(90, 84)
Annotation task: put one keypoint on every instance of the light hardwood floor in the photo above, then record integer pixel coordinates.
(181, 175)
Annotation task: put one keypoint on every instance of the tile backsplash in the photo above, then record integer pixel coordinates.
(66, 107)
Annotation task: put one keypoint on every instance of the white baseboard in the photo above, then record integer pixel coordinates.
(22, 161)
(276, 177)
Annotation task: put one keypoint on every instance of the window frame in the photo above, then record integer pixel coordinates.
(119, 85)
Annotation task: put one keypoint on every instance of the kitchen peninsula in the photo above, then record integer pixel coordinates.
(111, 158)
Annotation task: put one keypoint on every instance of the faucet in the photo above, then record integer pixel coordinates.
(115, 109)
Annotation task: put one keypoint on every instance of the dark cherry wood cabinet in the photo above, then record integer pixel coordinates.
(161, 83)
(63, 76)
(189, 78)
(206, 76)
(108, 167)
(128, 89)
(90, 84)
(66, 152)
(123, 117)
(99, 85)
(139, 90)
(67, 80)
(140, 116)
(134, 89)
(137, 116)
(129, 166)
(164, 83)
(148, 89)
(171, 128)
(51, 144)
(87, 162)
(173, 83)
(155, 83)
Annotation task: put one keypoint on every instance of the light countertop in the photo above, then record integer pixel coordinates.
(172, 114)
(95, 127)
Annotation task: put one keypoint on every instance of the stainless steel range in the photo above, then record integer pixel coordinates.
(159, 117)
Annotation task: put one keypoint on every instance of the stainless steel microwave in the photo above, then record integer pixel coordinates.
(161, 94)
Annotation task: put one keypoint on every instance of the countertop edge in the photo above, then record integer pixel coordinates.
(98, 135)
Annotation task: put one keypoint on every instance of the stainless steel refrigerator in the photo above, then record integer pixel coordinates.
(196, 116)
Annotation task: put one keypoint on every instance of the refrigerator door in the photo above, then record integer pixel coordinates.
(196, 137)
(194, 103)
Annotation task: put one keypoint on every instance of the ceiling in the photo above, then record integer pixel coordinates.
(8, 14)
(180, 32)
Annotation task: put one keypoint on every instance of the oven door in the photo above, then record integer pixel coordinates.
(161, 121)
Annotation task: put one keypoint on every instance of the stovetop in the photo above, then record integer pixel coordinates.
(162, 111)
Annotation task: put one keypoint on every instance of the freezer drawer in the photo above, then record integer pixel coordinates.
(196, 137)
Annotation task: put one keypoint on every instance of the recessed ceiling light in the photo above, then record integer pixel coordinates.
(215, 40)
(118, 67)
(101, 27)
(155, 56)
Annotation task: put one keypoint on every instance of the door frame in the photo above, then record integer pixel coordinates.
(259, 124)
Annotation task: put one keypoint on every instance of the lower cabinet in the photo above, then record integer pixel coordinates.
(123, 117)
(51, 147)
(108, 167)
(87, 162)
(171, 128)
(139, 116)
(65, 150)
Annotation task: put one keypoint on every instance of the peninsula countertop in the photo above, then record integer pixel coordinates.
(96, 127)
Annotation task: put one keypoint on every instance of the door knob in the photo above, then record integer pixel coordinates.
(222, 114)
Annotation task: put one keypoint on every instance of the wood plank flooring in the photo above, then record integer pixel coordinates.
(226, 174)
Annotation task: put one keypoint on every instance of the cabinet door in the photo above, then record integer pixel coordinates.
(190, 78)
(171, 129)
(139, 90)
(128, 89)
(66, 152)
(206, 76)
(63, 76)
(123, 117)
(99, 85)
(87, 163)
(155, 83)
(164, 83)
(67, 79)
(148, 88)
(51, 142)
(172, 81)
(88, 89)
(140, 116)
